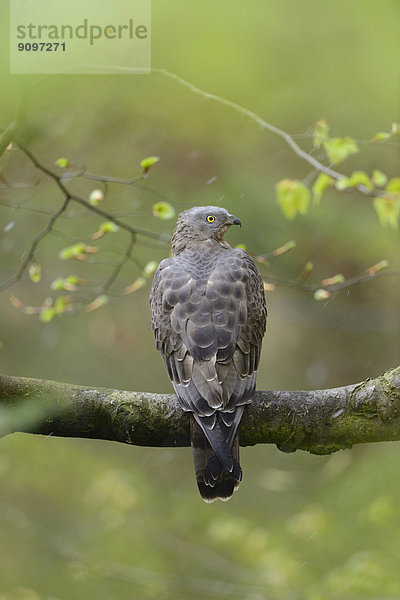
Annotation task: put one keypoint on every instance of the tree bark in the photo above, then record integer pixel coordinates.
(319, 422)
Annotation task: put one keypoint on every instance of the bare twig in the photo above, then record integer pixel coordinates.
(334, 287)
(120, 264)
(68, 198)
(316, 164)
(121, 224)
(289, 139)
(95, 209)
(102, 178)
(31, 252)
(119, 180)
(61, 181)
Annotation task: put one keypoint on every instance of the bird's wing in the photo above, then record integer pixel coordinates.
(172, 288)
(209, 332)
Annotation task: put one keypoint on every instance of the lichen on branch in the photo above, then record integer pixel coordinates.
(318, 421)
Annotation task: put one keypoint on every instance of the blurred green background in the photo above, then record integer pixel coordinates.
(92, 519)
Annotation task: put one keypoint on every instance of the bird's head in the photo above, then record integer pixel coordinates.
(201, 223)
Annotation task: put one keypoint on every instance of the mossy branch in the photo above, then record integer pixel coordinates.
(320, 421)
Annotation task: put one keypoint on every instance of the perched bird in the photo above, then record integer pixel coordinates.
(208, 318)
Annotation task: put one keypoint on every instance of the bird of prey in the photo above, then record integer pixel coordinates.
(208, 318)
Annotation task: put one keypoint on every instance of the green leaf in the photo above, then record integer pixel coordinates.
(382, 264)
(163, 210)
(60, 305)
(98, 302)
(388, 211)
(394, 186)
(293, 197)
(47, 314)
(109, 227)
(322, 182)
(356, 178)
(102, 300)
(68, 284)
(379, 179)
(343, 183)
(58, 284)
(308, 267)
(379, 137)
(338, 278)
(285, 248)
(321, 294)
(148, 162)
(384, 135)
(72, 251)
(138, 284)
(62, 162)
(35, 272)
(95, 197)
(361, 178)
(150, 268)
(72, 279)
(338, 149)
(76, 251)
(320, 133)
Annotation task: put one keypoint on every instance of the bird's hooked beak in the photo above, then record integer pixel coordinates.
(233, 221)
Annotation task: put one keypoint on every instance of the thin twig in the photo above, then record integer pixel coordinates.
(120, 264)
(68, 197)
(334, 287)
(87, 205)
(31, 253)
(105, 178)
(316, 164)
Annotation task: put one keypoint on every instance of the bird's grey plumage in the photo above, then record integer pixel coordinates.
(208, 317)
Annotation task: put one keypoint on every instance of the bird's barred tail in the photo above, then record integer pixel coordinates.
(214, 480)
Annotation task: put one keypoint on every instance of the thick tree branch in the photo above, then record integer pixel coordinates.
(320, 422)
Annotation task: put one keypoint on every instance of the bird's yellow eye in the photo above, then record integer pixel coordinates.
(210, 219)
